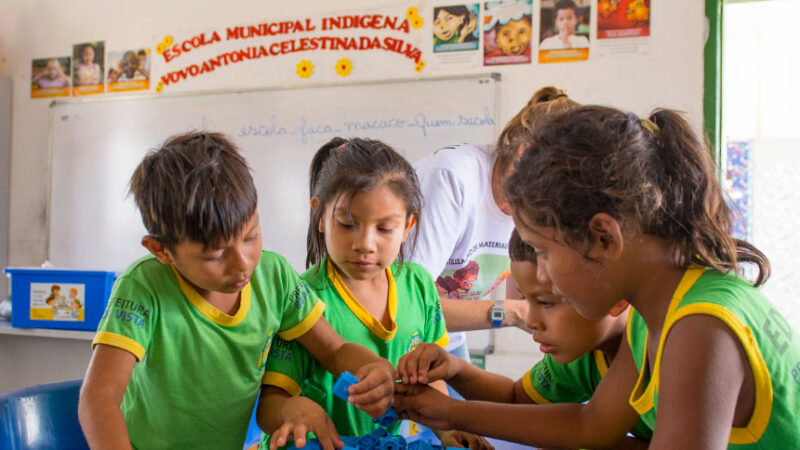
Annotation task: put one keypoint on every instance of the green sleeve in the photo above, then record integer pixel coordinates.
(129, 318)
(301, 307)
(288, 365)
(561, 383)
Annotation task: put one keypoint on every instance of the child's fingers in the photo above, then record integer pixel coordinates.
(299, 434)
(327, 435)
(279, 436)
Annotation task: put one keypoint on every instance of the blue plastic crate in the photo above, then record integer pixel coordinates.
(63, 299)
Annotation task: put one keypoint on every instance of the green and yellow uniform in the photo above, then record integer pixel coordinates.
(416, 317)
(575, 382)
(199, 370)
(771, 346)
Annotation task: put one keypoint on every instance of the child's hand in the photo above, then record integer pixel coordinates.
(423, 404)
(374, 392)
(463, 439)
(426, 364)
(300, 415)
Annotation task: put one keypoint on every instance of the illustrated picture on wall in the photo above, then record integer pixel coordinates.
(87, 70)
(564, 30)
(507, 32)
(128, 70)
(455, 27)
(623, 19)
(49, 77)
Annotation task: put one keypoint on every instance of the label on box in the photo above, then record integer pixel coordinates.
(62, 302)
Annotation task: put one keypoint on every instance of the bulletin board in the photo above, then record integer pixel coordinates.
(96, 144)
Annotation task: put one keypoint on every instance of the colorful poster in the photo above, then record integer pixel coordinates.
(623, 19)
(564, 31)
(455, 28)
(623, 26)
(507, 32)
(49, 77)
(129, 70)
(739, 186)
(87, 70)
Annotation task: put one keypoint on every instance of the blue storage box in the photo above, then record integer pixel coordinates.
(63, 299)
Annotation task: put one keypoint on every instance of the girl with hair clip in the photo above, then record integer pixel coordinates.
(467, 222)
(617, 207)
(365, 198)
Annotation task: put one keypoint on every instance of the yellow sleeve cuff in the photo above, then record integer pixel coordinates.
(531, 391)
(119, 341)
(306, 324)
(282, 381)
(443, 340)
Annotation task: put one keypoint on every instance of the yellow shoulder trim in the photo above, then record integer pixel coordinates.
(443, 340)
(207, 309)
(763, 383)
(642, 397)
(119, 341)
(358, 309)
(600, 361)
(306, 324)
(531, 391)
(282, 381)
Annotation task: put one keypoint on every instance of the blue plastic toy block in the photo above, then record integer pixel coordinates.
(345, 380)
(311, 444)
(379, 433)
(419, 445)
(387, 418)
(367, 442)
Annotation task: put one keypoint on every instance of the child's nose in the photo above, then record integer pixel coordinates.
(533, 320)
(364, 240)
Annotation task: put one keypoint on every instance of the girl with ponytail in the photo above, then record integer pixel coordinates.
(619, 207)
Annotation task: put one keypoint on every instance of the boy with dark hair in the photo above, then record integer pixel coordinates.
(180, 351)
(578, 352)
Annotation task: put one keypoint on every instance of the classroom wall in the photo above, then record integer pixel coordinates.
(670, 75)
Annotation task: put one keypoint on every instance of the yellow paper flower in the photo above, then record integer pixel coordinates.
(411, 12)
(160, 86)
(304, 68)
(420, 65)
(343, 67)
(167, 40)
(416, 22)
(160, 49)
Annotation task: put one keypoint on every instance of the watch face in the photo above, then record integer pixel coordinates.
(498, 314)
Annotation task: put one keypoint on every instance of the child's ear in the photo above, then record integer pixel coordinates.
(314, 206)
(410, 222)
(619, 308)
(607, 235)
(157, 249)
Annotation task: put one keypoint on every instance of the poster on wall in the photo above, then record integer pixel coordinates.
(49, 77)
(456, 36)
(623, 26)
(564, 30)
(507, 32)
(87, 70)
(128, 70)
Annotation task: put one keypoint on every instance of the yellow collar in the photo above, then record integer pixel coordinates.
(359, 311)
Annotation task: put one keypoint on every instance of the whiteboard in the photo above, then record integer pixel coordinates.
(96, 145)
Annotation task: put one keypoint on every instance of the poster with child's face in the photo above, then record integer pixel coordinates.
(128, 70)
(49, 77)
(507, 32)
(623, 19)
(455, 28)
(87, 68)
(564, 30)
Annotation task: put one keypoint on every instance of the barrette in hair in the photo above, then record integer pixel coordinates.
(650, 126)
(560, 95)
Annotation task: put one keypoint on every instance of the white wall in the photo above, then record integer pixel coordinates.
(670, 75)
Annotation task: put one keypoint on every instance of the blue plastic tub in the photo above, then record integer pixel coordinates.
(63, 299)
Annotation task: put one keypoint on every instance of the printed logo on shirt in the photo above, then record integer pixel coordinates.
(127, 310)
(299, 294)
(262, 358)
(414, 341)
(544, 377)
(281, 350)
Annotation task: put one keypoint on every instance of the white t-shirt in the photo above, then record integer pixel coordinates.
(462, 234)
(554, 42)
